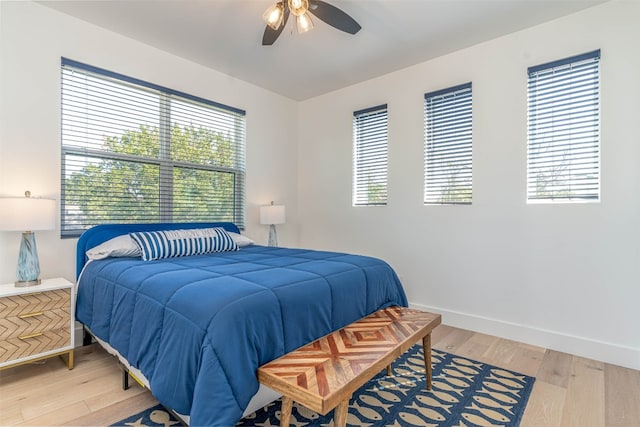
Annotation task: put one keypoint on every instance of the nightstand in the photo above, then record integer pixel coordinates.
(36, 322)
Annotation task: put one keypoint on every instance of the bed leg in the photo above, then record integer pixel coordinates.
(86, 337)
(125, 379)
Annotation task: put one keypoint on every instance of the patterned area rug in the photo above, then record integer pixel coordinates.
(465, 393)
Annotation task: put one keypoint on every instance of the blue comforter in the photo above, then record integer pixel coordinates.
(199, 327)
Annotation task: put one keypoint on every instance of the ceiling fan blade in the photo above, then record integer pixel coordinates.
(334, 16)
(270, 35)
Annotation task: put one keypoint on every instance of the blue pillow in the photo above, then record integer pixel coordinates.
(176, 243)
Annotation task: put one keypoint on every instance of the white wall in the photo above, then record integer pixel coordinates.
(560, 276)
(34, 37)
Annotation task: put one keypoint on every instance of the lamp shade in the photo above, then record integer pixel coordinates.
(27, 214)
(272, 214)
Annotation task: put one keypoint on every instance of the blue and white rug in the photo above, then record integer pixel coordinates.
(466, 393)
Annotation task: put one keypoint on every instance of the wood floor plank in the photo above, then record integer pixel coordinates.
(57, 415)
(65, 389)
(113, 396)
(502, 350)
(545, 406)
(453, 339)
(620, 384)
(31, 376)
(503, 353)
(116, 412)
(36, 369)
(556, 368)
(584, 404)
(527, 359)
(476, 346)
(11, 416)
(439, 332)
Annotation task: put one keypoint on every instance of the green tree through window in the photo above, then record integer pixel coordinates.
(136, 154)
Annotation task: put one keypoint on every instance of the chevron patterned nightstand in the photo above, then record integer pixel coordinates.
(36, 322)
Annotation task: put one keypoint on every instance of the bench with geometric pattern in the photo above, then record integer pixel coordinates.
(324, 374)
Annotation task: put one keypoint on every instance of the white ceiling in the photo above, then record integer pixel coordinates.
(226, 35)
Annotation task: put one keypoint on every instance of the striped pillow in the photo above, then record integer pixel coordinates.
(176, 243)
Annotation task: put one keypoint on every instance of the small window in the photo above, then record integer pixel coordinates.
(447, 146)
(133, 151)
(563, 148)
(370, 156)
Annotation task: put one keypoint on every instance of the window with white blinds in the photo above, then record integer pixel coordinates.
(370, 156)
(133, 151)
(563, 149)
(447, 146)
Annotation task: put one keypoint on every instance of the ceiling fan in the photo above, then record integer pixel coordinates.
(277, 15)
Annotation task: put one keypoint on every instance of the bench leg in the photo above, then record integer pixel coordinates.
(285, 411)
(340, 413)
(426, 348)
(389, 373)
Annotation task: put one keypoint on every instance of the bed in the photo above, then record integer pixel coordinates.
(197, 327)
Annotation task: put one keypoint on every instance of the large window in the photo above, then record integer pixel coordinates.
(564, 130)
(447, 146)
(370, 156)
(137, 152)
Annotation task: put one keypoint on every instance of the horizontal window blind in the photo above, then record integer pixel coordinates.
(133, 151)
(564, 130)
(448, 146)
(370, 156)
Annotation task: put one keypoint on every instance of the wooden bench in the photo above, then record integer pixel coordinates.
(324, 374)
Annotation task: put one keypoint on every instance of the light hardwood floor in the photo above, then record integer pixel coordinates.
(570, 391)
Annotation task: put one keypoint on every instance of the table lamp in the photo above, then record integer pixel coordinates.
(27, 214)
(272, 215)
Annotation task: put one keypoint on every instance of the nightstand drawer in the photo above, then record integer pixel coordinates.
(34, 343)
(21, 305)
(33, 322)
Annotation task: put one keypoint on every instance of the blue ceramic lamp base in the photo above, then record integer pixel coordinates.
(273, 236)
(28, 264)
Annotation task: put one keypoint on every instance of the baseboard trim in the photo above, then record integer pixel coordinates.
(607, 352)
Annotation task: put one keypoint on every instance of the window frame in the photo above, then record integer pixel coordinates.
(165, 164)
(371, 148)
(455, 134)
(578, 98)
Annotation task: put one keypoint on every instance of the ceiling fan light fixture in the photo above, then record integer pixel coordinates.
(298, 7)
(274, 15)
(277, 16)
(304, 23)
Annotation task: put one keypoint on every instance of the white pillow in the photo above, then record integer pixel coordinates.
(241, 240)
(120, 246)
